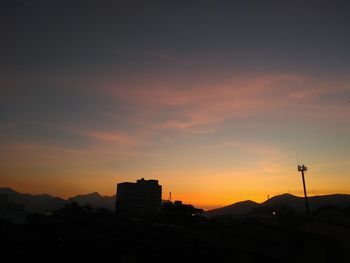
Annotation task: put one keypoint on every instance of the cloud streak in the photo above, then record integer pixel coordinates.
(115, 137)
(168, 104)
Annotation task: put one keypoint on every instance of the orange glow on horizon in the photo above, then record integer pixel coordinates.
(211, 144)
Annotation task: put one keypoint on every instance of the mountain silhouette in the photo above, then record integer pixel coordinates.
(94, 199)
(239, 208)
(298, 203)
(44, 202)
(295, 202)
(33, 203)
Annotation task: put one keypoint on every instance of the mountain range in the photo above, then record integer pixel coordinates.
(45, 202)
(295, 202)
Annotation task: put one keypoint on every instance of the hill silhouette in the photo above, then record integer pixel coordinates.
(239, 208)
(94, 199)
(44, 202)
(294, 202)
(33, 203)
(297, 202)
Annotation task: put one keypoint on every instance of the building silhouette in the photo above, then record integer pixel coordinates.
(142, 198)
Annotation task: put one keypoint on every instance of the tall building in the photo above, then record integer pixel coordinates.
(142, 198)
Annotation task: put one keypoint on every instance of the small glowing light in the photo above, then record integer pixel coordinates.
(274, 213)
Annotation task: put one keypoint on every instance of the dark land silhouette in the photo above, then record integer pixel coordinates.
(274, 231)
(292, 202)
(45, 202)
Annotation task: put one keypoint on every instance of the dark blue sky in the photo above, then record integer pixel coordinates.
(86, 35)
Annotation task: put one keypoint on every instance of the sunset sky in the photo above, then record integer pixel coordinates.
(215, 99)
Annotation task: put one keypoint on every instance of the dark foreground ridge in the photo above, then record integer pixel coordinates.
(180, 233)
(84, 233)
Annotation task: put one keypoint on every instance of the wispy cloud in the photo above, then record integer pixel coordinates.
(116, 137)
(172, 104)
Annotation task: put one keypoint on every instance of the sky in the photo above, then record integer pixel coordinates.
(218, 100)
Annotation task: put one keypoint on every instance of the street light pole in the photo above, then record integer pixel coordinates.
(302, 169)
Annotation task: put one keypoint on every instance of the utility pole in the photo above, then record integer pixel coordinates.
(302, 168)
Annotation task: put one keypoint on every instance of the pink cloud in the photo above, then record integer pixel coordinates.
(199, 104)
(202, 104)
(115, 137)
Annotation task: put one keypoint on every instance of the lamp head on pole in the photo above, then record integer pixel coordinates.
(302, 168)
